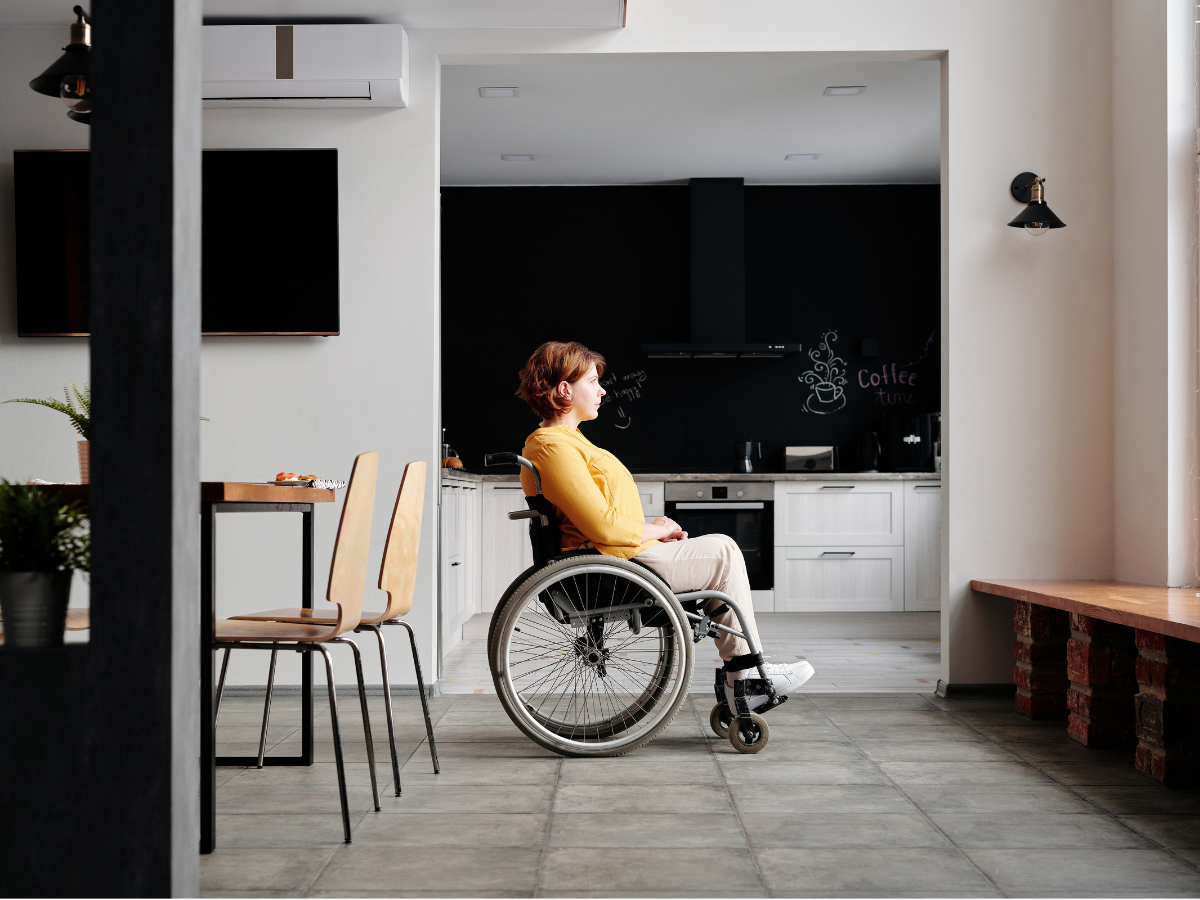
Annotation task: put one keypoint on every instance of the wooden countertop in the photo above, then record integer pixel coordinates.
(1171, 611)
(222, 491)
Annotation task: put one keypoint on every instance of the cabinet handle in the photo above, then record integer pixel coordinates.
(837, 487)
(826, 553)
(454, 564)
(927, 487)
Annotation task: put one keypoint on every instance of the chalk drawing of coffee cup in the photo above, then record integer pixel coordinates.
(827, 377)
(826, 393)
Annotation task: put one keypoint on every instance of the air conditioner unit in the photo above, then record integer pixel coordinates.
(305, 65)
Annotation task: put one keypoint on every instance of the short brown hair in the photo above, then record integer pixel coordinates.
(550, 365)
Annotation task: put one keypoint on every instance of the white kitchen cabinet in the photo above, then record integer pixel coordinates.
(459, 556)
(827, 514)
(505, 545)
(839, 579)
(922, 545)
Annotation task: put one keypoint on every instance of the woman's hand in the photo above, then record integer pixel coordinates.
(663, 529)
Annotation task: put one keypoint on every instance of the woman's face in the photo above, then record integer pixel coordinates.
(585, 395)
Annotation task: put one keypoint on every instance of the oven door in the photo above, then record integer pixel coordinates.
(751, 524)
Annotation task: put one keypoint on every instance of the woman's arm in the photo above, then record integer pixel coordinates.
(663, 529)
(568, 484)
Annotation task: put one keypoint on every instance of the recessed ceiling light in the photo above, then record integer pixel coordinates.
(495, 92)
(845, 90)
(517, 157)
(795, 156)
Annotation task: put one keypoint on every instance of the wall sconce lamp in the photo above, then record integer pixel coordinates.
(69, 78)
(1036, 218)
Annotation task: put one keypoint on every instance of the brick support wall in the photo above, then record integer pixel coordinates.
(1167, 708)
(1101, 663)
(1040, 670)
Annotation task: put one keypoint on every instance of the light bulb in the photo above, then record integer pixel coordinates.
(1036, 228)
(75, 92)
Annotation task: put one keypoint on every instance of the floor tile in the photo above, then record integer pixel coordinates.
(1087, 873)
(635, 769)
(1102, 773)
(1002, 831)
(388, 868)
(928, 872)
(940, 733)
(294, 830)
(743, 769)
(878, 717)
(1172, 832)
(716, 830)
(927, 751)
(778, 750)
(847, 700)
(447, 831)
(641, 871)
(482, 798)
(865, 830)
(962, 773)
(804, 799)
(480, 771)
(281, 799)
(275, 869)
(997, 798)
(1142, 800)
(521, 748)
(621, 798)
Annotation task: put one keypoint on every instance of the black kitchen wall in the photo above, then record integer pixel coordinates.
(609, 267)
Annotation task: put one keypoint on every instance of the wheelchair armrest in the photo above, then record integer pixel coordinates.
(528, 514)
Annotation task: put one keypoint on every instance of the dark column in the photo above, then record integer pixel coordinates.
(99, 743)
(1100, 664)
(1167, 708)
(1040, 670)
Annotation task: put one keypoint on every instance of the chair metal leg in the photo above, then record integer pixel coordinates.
(262, 738)
(387, 704)
(362, 697)
(337, 739)
(221, 685)
(412, 639)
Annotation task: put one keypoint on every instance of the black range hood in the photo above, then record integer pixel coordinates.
(718, 278)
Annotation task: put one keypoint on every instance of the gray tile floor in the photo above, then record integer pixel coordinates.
(855, 795)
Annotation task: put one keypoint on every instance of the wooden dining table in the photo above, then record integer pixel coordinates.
(221, 498)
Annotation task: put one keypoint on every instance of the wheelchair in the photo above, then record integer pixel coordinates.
(592, 655)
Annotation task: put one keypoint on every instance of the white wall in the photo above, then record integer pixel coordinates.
(1027, 337)
(1154, 268)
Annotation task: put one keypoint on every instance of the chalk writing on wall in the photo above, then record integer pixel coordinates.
(827, 378)
(625, 388)
(892, 383)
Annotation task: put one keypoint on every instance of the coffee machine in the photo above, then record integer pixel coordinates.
(909, 440)
(745, 452)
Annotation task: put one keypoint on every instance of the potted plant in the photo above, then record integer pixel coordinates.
(42, 542)
(81, 419)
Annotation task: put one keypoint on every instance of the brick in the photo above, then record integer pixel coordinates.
(1168, 724)
(1040, 651)
(1166, 676)
(1099, 665)
(1040, 706)
(1032, 620)
(1165, 768)
(1159, 645)
(1039, 679)
(1100, 706)
(1094, 627)
(1100, 734)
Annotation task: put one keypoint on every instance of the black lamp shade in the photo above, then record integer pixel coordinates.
(1037, 213)
(76, 60)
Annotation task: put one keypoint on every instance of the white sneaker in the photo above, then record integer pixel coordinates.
(784, 678)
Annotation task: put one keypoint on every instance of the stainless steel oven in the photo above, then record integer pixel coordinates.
(744, 510)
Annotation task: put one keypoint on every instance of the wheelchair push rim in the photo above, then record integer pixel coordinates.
(591, 685)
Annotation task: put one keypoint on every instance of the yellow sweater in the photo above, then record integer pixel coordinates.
(596, 497)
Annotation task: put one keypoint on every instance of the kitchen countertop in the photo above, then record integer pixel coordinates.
(458, 474)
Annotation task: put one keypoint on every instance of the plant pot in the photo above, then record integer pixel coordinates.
(826, 393)
(85, 462)
(34, 606)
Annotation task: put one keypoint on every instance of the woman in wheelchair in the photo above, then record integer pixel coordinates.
(590, 654)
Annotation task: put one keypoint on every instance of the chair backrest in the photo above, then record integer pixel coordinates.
(351, 551)
(398, 573)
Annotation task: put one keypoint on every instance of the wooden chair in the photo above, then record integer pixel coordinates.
(347, 579)
(397, 576)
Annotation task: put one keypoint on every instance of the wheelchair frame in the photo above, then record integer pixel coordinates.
(545, 538)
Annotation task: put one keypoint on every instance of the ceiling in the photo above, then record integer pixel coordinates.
(630, 121)
(410, 13)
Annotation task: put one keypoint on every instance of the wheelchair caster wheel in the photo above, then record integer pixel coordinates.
(718, 722)
(749, 740)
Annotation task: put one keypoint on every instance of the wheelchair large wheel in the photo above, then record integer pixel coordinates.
(591, 656)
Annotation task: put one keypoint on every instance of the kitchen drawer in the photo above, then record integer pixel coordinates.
(652, 499)
(839, 513)
(839, 579)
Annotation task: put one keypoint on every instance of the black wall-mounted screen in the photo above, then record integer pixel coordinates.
(270, 242)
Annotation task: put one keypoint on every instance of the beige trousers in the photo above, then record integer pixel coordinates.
(712, 562)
